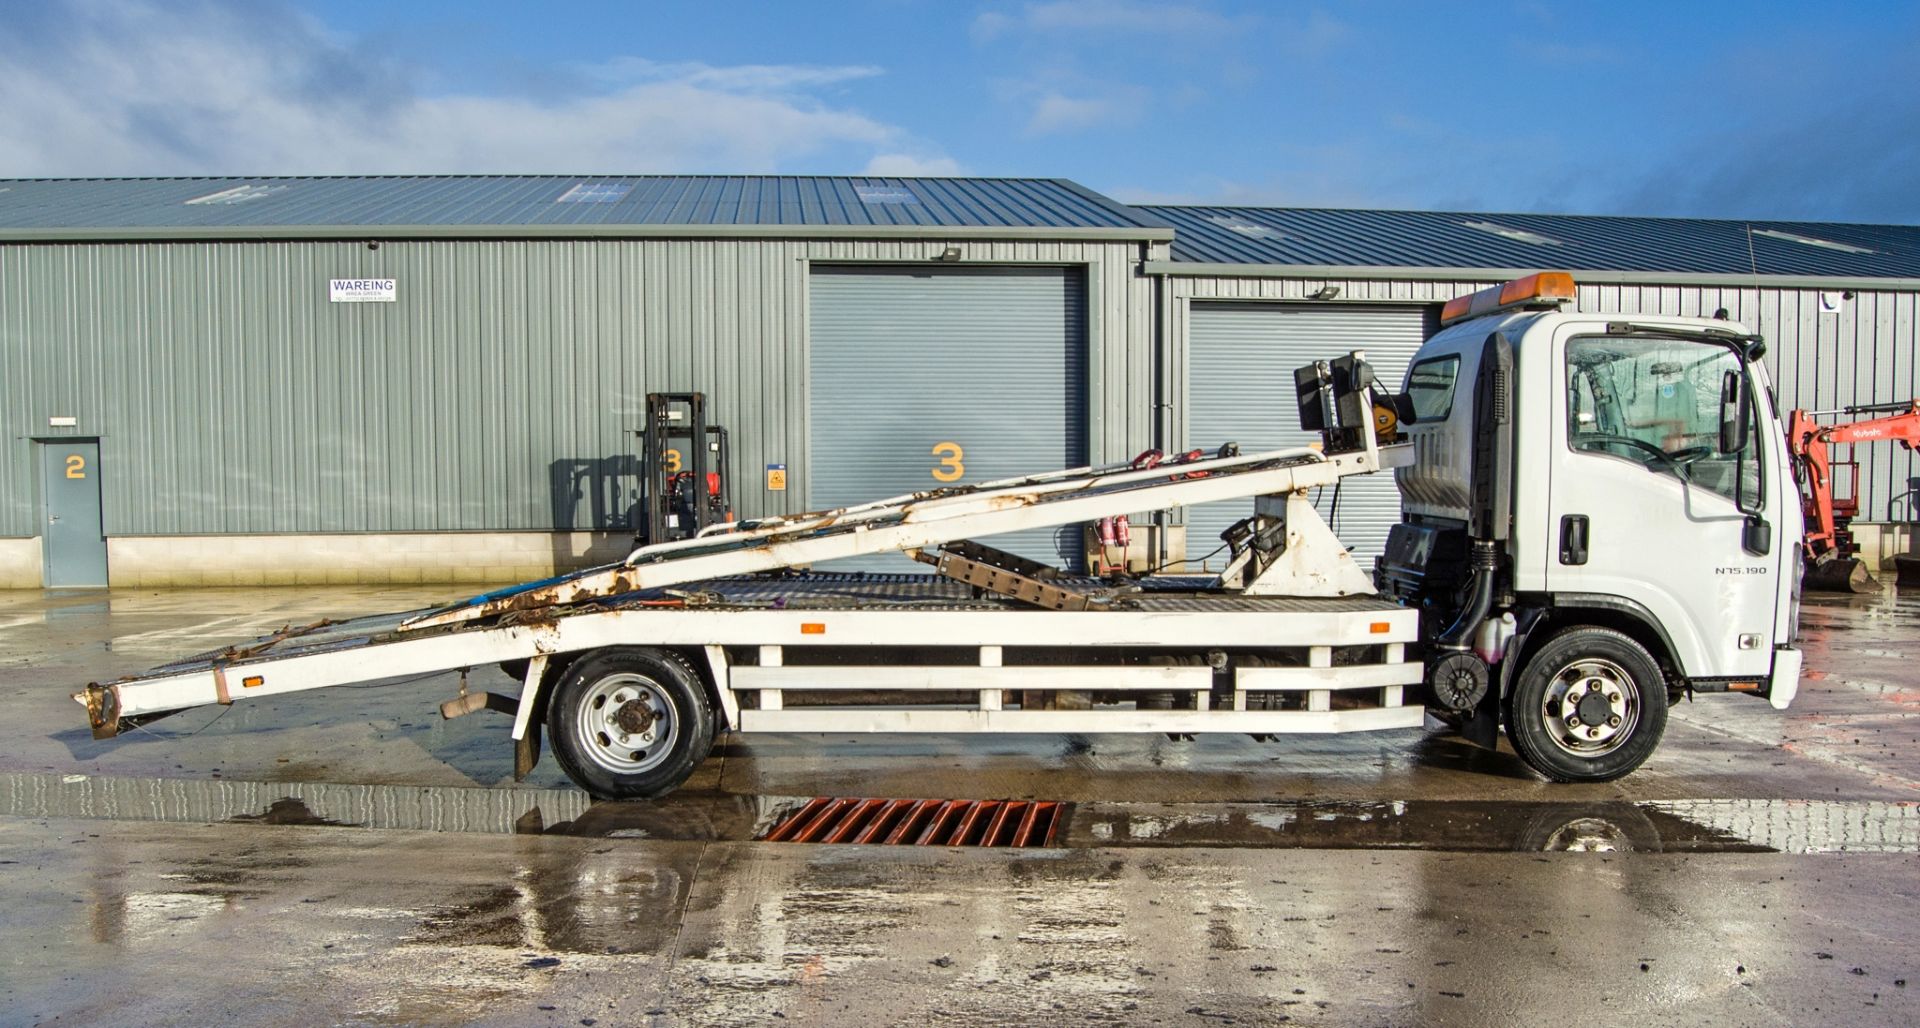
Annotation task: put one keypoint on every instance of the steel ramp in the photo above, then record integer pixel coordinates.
(927, 519)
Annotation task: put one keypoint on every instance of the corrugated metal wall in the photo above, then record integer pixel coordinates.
(946, 377)
(1865, 353)
(1240, 388)
(497, 394)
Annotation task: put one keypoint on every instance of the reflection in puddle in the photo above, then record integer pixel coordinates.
(141, 916)
(1670, 826)
(1679, 826)
(688, 815)
(590, 907)
(417, 808)
(1806, 826)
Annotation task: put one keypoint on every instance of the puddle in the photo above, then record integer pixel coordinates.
(1660, 826)
(690, 815)
(414, 808)
(287, 810)
(1665, 826)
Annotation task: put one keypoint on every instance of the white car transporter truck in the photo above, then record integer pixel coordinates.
(1598, 519)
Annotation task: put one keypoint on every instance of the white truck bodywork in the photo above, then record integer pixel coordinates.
(1588, 531)
(1661, 543)
(1338, 652)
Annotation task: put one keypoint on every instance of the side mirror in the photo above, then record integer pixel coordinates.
(1733, 409)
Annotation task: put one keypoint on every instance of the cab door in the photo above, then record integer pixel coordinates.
(1642, 500)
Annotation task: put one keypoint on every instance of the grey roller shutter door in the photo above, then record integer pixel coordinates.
(1240, 363)
(992, 361)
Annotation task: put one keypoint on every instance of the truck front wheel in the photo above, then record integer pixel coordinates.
(1590, 706)
(629, 723)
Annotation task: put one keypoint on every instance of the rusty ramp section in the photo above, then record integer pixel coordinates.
(882, 822)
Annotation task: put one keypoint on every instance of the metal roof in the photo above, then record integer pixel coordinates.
(1442, 239)
(554, 204)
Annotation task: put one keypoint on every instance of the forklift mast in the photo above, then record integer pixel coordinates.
(684, 461)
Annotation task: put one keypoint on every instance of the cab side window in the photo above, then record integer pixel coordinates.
(1430, 386)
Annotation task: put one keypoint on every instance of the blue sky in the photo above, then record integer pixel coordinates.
(1717, 109)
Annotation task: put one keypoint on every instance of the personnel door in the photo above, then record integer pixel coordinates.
(73, 539)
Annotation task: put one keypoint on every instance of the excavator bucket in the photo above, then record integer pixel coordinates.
(1839, 575)
(1906, 571)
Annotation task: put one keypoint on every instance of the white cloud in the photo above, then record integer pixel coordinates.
(1056, 113)
(1318, 34)
(743, 77)
(908, 165)
(142, 88)
(1135, 16)
(990, 25)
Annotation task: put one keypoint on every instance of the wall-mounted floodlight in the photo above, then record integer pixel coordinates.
(1324, 293)
(951, 253)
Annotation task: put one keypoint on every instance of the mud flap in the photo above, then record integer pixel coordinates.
(1481, 726)
(526, 752)
(1784, 684)
(526, 720)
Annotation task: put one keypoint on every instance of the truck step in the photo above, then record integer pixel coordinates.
(884, 822)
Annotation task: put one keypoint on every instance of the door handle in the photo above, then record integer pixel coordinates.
(1573, 539)
(51, 518)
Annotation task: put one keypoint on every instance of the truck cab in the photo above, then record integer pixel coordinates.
(1600, 519)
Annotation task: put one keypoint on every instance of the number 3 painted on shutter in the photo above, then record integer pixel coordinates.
(950, 468)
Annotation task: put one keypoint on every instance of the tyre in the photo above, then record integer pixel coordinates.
(1590, 706)
(629, 723)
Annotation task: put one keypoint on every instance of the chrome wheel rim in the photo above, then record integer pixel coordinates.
(1591, 707)
(626, 724)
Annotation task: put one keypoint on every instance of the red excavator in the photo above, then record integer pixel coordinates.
(1831, 563)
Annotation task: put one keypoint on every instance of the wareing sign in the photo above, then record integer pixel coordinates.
(363, 290)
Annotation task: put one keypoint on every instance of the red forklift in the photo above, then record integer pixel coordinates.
(684, 463)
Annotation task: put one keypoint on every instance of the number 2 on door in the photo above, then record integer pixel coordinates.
(76, 466)
(949, 469)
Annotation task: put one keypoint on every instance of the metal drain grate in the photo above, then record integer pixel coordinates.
(921, 822)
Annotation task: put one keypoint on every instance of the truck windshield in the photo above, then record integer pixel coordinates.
(1655, 401)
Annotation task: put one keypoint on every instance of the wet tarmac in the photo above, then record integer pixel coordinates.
(347, 857)
(704, 815)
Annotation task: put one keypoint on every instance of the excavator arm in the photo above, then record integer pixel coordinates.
(1811, 445)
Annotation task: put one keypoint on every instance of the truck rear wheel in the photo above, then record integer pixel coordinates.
(1590, 706)
(629, 723)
